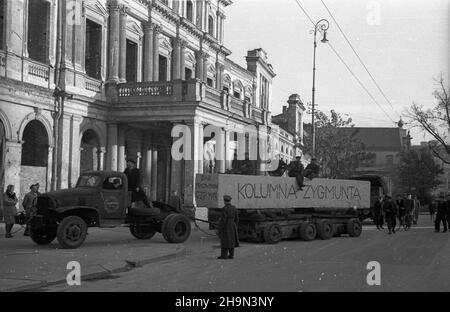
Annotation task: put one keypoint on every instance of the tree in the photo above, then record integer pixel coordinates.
(418, 172)
(436, 120)
(338, 149)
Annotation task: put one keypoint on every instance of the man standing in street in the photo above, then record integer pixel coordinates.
(228, 229)
(441, 215)
(448, 211)
(390, 211)
(400, 202)
(28, 204)
(416, 209)
(295, 170)
(133, 175)
(378, 213)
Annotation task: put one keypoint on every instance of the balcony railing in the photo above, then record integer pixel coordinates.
(93, 84)
(38, 70)
(145, 89)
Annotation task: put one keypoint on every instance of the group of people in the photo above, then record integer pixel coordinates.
(296, 170)
(405, 209)
(10, 210)
(441, 207)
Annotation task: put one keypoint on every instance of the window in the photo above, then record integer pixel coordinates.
(93, 53)
(113, 183)
(226, 89)
(162, 68)
(189, 11)
(211, 25)
(187, 73)
(389, 159)
(132, 55)
(38, 30)
(247, 99)
(2, 24)
(237, 94)
(210, 82)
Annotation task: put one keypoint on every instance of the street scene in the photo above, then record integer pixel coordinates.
(224, 146)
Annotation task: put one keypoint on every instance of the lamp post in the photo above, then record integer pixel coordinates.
(321, 26)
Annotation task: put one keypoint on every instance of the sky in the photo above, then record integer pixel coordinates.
(403, 43)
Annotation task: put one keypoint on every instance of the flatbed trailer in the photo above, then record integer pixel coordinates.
(296, 214)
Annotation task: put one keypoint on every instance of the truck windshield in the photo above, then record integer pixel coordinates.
(88, 181)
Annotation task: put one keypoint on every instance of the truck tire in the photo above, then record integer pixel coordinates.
(324, 229)
(176, 228)
(43, 236)
(142, 231)
(308, 231)
(273, 233)
(71, 233)
(354, 227)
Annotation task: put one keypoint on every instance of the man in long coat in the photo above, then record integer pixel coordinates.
(228, 229)
(390, 211)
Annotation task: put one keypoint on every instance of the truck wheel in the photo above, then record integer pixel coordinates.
(273, 233)
(176, 228)
(71, 232)
(354, 227)
(308, 231)
(43, 236)
(324, 229)
(142, 231)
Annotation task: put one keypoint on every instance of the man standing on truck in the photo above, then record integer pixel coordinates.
(133, 176)
(228, 229)
(390, 211)
(295, 170)
(312, 170)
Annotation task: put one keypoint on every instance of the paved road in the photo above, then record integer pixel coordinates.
(417, 260)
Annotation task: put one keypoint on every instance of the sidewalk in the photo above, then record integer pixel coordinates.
(27, 266)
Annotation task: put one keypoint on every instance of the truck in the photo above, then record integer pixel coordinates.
(102, 199)
(272, 208)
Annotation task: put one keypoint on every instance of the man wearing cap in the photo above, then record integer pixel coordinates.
(228, 229)
(295, 170)
(28, 204)
(441, 215)
(133, 175)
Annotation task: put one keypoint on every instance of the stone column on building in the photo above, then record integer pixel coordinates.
(114, 43)
(63, 159)
(195, 164)
(148, 51)
(205, 66)
(183, 60)
(221, 149)
(219, 75)
(156, 33)
(74, 160)
(200, 15)
(147, 168)
(101, 158)
(123, 43)
(13, 158)
(14, 44)
(121, 162)
(154, 184)
(112, 150)
(176, 61)
(199, 65)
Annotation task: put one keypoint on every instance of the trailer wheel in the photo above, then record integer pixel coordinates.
(354, 227)
(324, 229)
(176, 228)
(71, 232)
(308, 231)
(273, 233)
(142, 231)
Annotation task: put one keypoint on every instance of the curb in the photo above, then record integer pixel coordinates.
(106, 271)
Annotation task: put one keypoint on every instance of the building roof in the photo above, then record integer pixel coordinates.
(380, 139)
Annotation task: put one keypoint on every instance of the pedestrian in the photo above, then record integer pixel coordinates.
(441, 215)
(133, 175)
(448, 211)
(140, 198)
(432, 207)
(417, 208)
(295, 170)
(228, 229)
(378, 213)
(312, 170)
(391, 212)
(28, 205)
(409, 212)
(400, 202)
(10, 211)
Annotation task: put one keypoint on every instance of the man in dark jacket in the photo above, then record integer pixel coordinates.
(378, 218)
(312, 170)
(133, 175)
(295, 170)
(441, 215)
(390, 211)
(401, 211)
(228, 229)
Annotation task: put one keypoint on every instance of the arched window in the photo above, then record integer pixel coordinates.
(90, 152)
(190, 11)
(211, 25)
(35, 145)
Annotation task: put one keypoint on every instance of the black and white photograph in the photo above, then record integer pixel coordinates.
(224, 151)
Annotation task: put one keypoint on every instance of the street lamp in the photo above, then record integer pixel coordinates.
(321, 26)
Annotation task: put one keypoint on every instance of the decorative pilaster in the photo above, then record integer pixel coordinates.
(219, 75)
(114, 43)
(112, 147)
(148, 51)
(123, 12)
(183, 59)
(205, 66)
(156, 32)
(176, 59)
(199, 65)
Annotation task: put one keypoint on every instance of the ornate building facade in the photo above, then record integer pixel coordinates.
(84, 85)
